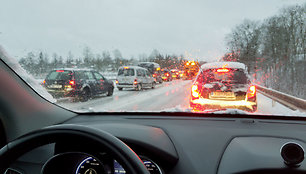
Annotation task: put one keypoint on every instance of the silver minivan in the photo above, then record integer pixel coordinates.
(134, 77)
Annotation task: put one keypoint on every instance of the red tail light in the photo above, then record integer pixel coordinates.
(72, 82)
(59, 70)
(154, 75)
(167, 74)
(223, 70)
(251, 92)
(135, 82)
(195, 91)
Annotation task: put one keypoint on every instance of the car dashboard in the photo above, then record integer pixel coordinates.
(179, 144)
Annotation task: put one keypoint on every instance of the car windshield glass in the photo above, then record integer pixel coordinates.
(201, 56)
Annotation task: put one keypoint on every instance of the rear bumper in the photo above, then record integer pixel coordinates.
(204, 104)
(126, 86)
(62, 93)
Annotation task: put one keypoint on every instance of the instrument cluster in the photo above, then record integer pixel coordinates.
(82, 163)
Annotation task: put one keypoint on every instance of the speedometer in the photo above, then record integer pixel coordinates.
(90, 166)
(152, 167)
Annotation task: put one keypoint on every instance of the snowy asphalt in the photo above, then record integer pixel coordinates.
(168, 96)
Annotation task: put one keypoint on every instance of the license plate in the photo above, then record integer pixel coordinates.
(222, 94)
(55, 86)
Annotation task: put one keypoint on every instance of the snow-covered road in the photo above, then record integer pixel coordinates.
(169, 96)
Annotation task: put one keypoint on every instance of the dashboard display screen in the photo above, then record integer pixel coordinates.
(118, 169)
(152, 167)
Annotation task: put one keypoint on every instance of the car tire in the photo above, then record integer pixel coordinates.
(110, 91)
(254, 108)
(138, 87)
(153, 85)
(85, 95)
(120, 89)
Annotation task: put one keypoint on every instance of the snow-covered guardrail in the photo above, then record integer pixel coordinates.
(285, 99)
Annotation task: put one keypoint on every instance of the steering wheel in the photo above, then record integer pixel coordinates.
(124, 154)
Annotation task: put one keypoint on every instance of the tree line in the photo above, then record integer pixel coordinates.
(274, 49)
(38, 64)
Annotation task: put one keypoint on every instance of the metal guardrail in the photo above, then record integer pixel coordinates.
(285, 99)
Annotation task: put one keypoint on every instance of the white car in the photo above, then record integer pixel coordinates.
(134, 77)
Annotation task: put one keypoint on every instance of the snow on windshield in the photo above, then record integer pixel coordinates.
(13, 63)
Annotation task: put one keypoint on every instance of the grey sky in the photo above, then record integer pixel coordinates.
(193, 27)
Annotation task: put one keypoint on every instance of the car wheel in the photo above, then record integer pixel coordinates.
(85, 95)
(138, 87)
(120, 89)
(254, 108)
(153, 85)
(110, 91)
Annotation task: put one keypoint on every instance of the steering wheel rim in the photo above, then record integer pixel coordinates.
(52, 134)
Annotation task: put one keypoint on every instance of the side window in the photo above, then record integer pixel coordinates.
(98, 76)
(143, 73)
(138, 72)
(89, 75)
(148, 73)
(79, 75)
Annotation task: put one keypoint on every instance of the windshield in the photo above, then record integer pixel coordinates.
(240, 56)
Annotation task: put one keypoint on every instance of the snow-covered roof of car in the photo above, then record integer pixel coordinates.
(214, 65)
(133, 67)
(74, 69)
(155, 64)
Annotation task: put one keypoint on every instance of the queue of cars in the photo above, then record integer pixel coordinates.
(83, 84)
(217, 85)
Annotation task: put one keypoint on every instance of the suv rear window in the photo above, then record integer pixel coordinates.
(232, 76)
(126, 72)
(59, 75)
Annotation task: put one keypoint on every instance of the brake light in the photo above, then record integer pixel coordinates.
(59, 70)
(135, 82)
(251, 92)
(195, 91)
(72, 82)
(223, 70)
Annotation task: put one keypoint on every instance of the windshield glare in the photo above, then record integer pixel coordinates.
(241, 56)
